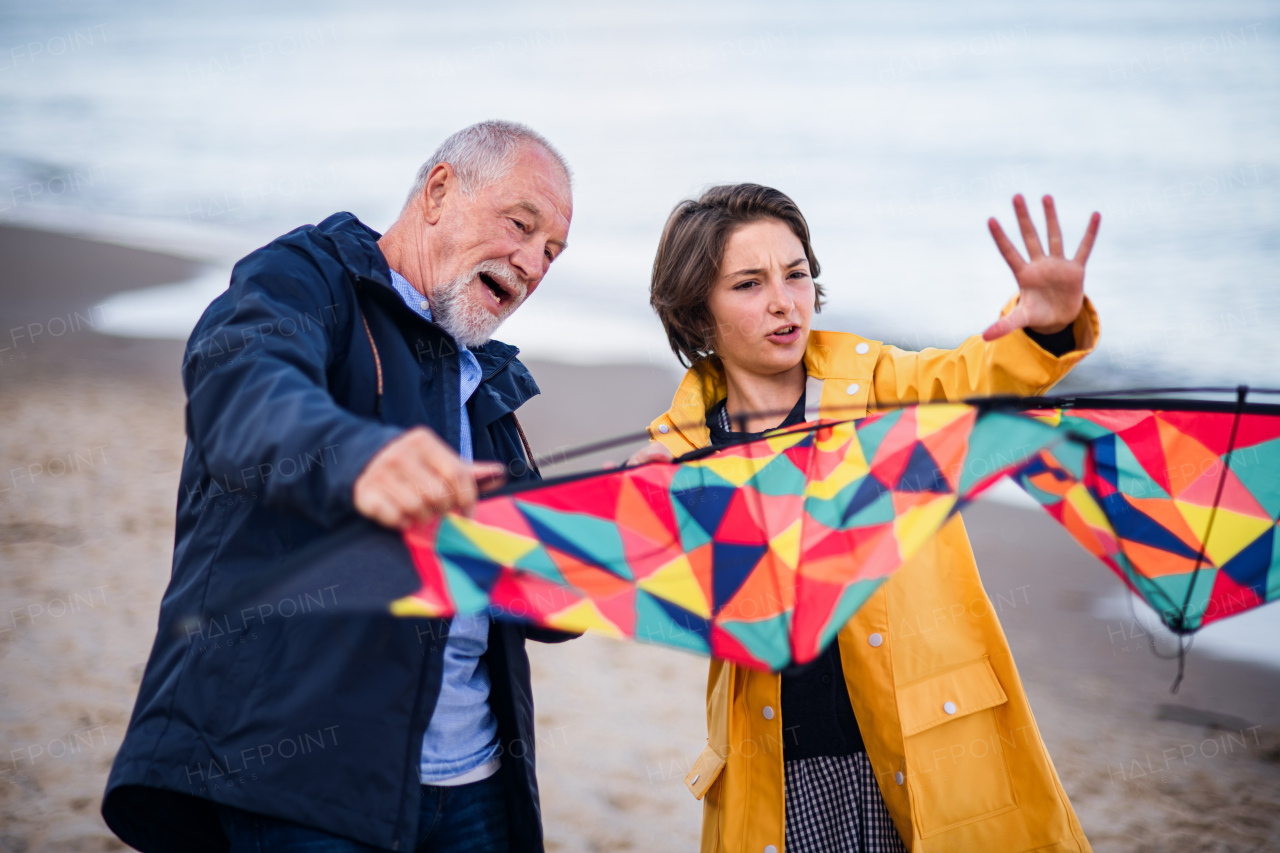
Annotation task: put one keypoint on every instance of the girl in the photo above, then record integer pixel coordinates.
(912, 730)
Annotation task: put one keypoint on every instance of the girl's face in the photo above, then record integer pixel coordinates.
(763, 299)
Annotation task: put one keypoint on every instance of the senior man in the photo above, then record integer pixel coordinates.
(347, 374)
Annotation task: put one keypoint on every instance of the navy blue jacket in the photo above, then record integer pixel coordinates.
(288, 706)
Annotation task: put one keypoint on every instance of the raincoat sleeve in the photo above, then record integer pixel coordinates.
(1013, 364)
(258, 405)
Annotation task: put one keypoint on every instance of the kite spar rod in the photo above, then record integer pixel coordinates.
(1241, 393)
(555, 457)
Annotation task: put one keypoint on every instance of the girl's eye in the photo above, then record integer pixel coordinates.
(743, 285)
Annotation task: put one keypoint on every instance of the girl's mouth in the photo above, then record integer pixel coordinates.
(785, 334)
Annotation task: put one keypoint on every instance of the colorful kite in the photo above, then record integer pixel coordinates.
(1181, 500)
(756, 554)
(760, 552)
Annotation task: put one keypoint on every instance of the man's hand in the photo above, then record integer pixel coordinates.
(417, 477)
(1050, 287)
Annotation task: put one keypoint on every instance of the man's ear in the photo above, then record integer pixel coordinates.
(441, 183)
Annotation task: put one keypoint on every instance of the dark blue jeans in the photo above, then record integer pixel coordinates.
(450, 820)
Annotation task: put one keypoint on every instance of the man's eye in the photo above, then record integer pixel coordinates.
(520, 225)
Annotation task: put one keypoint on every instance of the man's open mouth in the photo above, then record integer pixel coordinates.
(499, 292)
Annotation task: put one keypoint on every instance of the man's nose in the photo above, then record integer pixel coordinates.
(528, 263)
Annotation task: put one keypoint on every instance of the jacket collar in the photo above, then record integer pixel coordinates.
(828, 355)
(357, 247)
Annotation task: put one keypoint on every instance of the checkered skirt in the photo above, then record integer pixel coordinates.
(834, 806)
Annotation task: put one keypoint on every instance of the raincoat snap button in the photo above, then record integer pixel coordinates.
(897, 777)
(949, 707)
(875, 640)
(861, 349)
(768, 712)
(852, 389)
(664, 429)
(769, 848)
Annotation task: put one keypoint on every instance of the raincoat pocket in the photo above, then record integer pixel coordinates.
(705, 772)
(955, 760)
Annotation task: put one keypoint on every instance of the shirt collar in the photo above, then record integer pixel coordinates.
(415, 300)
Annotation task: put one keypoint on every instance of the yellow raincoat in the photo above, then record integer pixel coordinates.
(978, 779)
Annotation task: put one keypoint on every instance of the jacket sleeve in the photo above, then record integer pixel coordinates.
(1013, 364)
(259, 410)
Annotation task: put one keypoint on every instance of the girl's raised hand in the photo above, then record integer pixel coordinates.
(1050, 287)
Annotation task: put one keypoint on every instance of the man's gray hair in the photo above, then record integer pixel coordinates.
(484, 153)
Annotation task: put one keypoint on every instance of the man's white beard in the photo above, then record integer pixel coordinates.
(459, 311)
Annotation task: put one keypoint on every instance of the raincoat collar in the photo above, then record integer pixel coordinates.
(828, 355)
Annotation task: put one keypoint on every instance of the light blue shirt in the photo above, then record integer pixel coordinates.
(463, 733)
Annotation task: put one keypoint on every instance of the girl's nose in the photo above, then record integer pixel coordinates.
(780, 300)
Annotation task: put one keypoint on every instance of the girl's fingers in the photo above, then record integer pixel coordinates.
(1006, 247)
(1029, 235)
(1052, 228)
(1086, 243)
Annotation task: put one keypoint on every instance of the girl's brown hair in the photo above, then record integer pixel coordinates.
(691, 249)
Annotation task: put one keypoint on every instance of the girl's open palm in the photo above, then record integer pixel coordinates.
(1050, 287)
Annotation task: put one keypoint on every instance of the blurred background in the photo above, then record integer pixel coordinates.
(145, 146)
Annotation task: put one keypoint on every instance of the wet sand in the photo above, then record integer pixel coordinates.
(91, 442)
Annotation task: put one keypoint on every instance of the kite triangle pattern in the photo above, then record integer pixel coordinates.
(675, 582)
(757, 553)
(1155, 500)
(585, 615)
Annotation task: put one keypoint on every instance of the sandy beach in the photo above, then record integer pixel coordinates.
(91, 442)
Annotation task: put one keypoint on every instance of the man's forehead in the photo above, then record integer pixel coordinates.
(536, 171)
(538, 187)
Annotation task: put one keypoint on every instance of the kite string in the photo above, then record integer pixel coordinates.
(1241, 393)
(1151, 637)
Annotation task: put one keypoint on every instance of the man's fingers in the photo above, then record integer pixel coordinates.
(1086, 243)
(378, 509)
(489, 475)
(1029, 235)
(442, 478)
(409, 498)
(1052, 228)
(375, 502)
(487, 470)
(459, 489)
(1011, 256)
(418, 476)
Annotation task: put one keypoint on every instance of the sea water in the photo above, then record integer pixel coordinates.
(898, 128)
